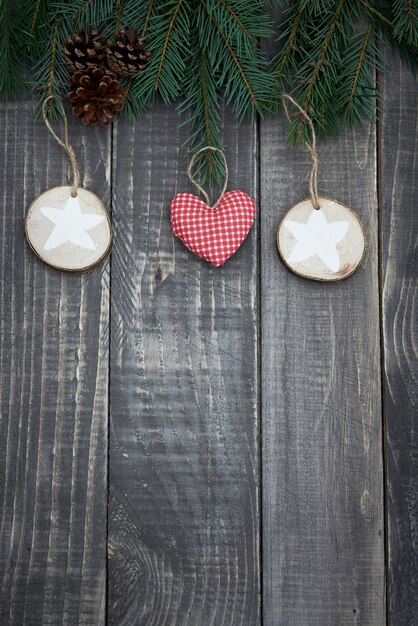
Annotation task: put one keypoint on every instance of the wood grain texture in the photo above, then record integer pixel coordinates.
(54, 390)
(399, 225)
(183, 517)
(323, 557)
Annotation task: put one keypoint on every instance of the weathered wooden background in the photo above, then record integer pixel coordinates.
(191, 446)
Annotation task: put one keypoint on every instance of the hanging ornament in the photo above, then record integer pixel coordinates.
(319, 238)
(213, 233)
(68, 227)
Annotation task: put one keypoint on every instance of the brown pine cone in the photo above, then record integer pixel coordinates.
(84, 50)
(126, 55)
(96, 95)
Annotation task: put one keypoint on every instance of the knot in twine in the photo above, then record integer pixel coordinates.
(192, 180)
(63, 143)
(313, 185)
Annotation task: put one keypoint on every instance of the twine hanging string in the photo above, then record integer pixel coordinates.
(202, 191)
(313, 185)
(63, 143)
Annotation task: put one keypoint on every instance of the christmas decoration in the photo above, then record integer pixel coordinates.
(84, 50)
(96, 95)
(126, 55)
(200, 52)
(318, 238)
(68, 227)
(322, 244)
(215, 232)
(327, 55)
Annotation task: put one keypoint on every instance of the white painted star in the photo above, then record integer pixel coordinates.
(71, 225)
(317, 237)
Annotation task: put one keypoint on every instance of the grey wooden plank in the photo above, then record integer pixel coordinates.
(54, 392)
(399, 197)
(183, 516)
(323, 556)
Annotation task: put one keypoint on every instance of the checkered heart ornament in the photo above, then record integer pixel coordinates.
(213, 233)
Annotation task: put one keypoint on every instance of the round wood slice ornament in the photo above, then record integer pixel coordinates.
(324, 244)
(319, 238)
(68, 227)
(70, 233)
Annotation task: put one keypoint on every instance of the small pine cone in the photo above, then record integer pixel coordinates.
(84, 50)
(96, 95)
(126, 55)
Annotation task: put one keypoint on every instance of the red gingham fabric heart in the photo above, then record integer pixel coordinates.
(212, 234)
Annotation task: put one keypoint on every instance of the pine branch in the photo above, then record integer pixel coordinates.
(243, 75)
(34, 22)
(294, 23)
(405, 20)
(169, 33)
(356, 91)
(206, 50)
(209, 103)
(237, 63)
(135, 13)
(360, 65)
(166, 42)
(50, 74)
(30, 16)
(147, 17)
(86, 5)
(203, 101)
(382, 16)
(328, 63)
(119, 15)
(322, 54)
(378, 14)
(8, 71)
(236, 18)
(78, 14)
(224, 56)
(53, 57)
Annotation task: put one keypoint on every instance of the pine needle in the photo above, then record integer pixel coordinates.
(206, 51)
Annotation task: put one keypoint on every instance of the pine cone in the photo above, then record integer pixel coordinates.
(84, 50)
(126, 55)
(96, 95)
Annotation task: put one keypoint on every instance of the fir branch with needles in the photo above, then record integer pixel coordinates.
(9, 62)
(204, 52)
(405, 20)
(329, 54)
(203, 101)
